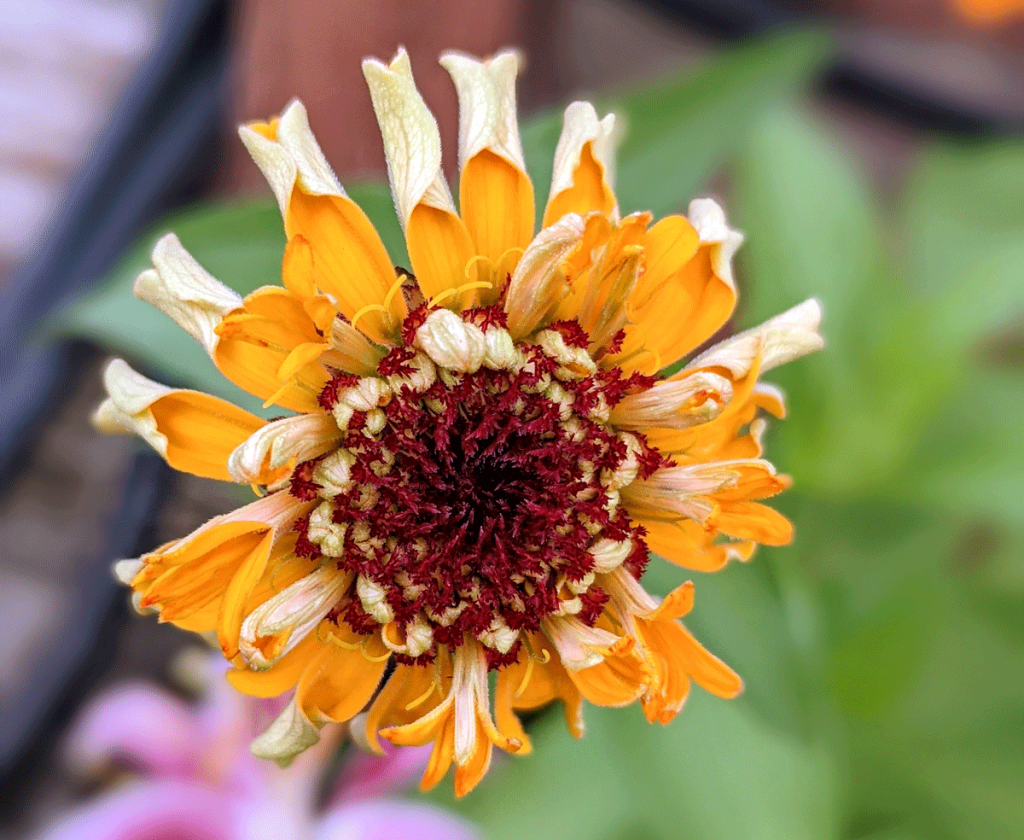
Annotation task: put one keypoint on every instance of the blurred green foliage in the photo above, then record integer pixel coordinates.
(883, 652)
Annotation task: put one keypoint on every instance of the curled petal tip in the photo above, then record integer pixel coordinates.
(291, 734)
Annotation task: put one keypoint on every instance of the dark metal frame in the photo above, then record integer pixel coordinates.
(152, 158)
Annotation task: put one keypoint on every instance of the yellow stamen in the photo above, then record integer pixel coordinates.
(526, 678)
(384, 635)
(447, 293)
(352, 646)
(370, 307)
(390, 295)
(273, 398)
(419, 701)
(381, 658)
(474, 261)
(288, 383)
(514, 250)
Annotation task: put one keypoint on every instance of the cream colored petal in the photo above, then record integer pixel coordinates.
(581, 126)
(465, 702)
(538, 283)
(676, 403)
(278, 511)
(292, 438)
(182, 289)
(412, 142)
(610, 554)
(125, 411)
(687, 490)
(628, 594)
(358, 354)
(291, 614)
(293, 157)
(452, 342)
(373, 597)
(708, 219)
(295, 136)
(487, 105)
(290, 734)
(578, 645)
(126, 570)
(778, 340)
(774, 396)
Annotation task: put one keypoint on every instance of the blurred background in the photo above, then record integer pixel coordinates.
(871, 151)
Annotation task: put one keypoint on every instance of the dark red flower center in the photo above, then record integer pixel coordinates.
(472, 505)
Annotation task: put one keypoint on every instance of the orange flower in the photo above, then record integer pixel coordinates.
(989, 12)
(481, 452)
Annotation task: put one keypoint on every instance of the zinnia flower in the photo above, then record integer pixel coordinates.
(195, 777)
(482, 452)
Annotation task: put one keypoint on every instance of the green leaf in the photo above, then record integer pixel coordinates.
(962, 202)
(716, 770)
(875, 664)
(948, 759)
(970, 459)
(679, 130)
(812, 232)
(241, 245)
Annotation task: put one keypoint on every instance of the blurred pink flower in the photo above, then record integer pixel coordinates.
(198, 780)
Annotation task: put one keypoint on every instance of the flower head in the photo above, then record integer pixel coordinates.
(482, 452)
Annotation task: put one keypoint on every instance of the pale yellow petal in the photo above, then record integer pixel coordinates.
(186, 292)
(583, 172)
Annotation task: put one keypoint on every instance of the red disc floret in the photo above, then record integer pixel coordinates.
(474, 507)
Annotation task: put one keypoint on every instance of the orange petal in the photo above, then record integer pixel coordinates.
(254, 369)
(617, 681)
(352, 264)
(193, 431)
(505, 718)
(202, 431)
(540, 684)
(676, 604)
(468, 775)
(685, 543)
(589, 190)
(300, 357)
(707, 670)
(200, 573)
(754, 521)
(282, 676)
(496, 201)
(236, 595)
(397, 702)
(297, 267)
(440, 249)
(440, 757)
(258, 339)
(667, 646)
(338, 683)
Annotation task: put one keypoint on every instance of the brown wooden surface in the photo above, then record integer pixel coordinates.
(312, 50)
